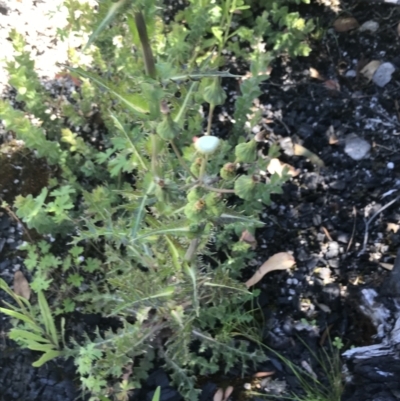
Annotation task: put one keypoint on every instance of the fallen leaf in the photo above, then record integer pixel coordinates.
(398, 29)
(276, 166)
(249, 238)
(387, 266)
(222, 395)
(21, 285)
(228, 392)
(369, 70)
(332, 85)
(332, 136)
(392, 227)
(76, 81)
(315, 74)
(279, 261)
(345, 24)
(219, 395)
(300, 150)
(264, 374)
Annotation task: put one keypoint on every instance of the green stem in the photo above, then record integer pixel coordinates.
(210, 114)
(181, 161)
(148, 57)
(219, 190)
(203, 168)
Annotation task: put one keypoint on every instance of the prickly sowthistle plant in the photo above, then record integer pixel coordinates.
(148, 233)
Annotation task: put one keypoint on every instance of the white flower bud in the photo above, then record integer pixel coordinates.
(207, 144)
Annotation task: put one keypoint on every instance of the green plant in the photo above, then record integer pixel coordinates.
(145, 229)
(328, 386)
(38, 331)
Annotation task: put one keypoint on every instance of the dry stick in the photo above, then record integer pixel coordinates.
(370, 220)
(354, 229)
(14, 216)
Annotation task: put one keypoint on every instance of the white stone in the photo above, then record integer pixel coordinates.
(371, 26)
(383, 74)
(356, 147)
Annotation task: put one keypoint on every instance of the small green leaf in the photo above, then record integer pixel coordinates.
(124, 98)
(167, 129)
(112, 13)
(246, 152)
(244, 187)
(214, 93)
(17, 315)
(47, 318)
(218, 32)
(157, 394)
(46, 357)
(27, 335)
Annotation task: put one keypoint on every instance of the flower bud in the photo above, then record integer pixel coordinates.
(207, 144)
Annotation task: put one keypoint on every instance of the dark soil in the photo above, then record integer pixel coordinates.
(320, 217)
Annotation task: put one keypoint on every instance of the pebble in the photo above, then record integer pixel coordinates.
(371, 26)
(383, 74)
(390, 166)
(356, 147)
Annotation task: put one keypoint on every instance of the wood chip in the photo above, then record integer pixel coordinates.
(21, 285)
(345, 24)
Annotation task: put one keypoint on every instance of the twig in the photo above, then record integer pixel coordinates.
(354, 229)
(14, 216)
(367, 223)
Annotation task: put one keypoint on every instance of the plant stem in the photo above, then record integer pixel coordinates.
(203, 168)
(148, 57)
(209, 121)
(181, 161)
(219, 190)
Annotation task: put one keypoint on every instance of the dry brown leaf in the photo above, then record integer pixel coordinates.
(398, 29)
(21, 285)
(369, 70)
(345, 24)
(332, 136)
(279, 261)
(332, 85)
(392, 227)
(387, 266)
(228, 392)
(264, 374)
(219, 395)
(249, 238)
(222, 395)
(315, 74)
(276, 166)
(302, 151)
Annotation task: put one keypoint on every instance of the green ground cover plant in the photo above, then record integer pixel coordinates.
(143, 219)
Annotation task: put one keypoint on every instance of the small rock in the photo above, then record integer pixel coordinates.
(371, 26)
(350, 74)
(356, 147)
(390, 166)
(333, 250)
(338, 185)
(383, 74)
(334, 263)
